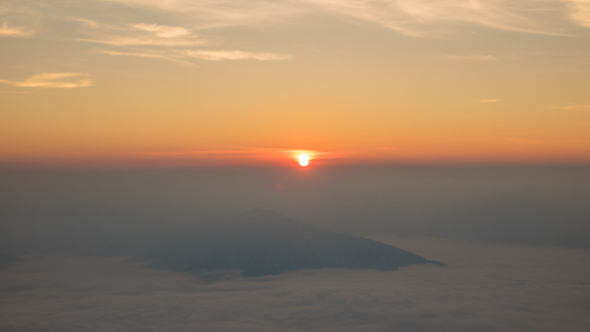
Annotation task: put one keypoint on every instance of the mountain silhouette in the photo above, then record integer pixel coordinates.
(262, 242)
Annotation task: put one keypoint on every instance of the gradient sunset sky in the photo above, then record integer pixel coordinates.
(179, 82)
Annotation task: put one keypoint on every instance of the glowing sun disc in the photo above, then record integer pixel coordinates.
(303, 159)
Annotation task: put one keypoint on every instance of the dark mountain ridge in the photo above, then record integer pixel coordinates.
(262, 242)
(256, 242)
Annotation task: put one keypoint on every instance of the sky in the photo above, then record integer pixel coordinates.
(146, 83)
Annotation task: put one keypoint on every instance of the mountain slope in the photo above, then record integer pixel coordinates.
(262, 243)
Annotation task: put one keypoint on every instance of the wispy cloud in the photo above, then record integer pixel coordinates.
(219, 13)
(184, 57)
(579, 11)
(489, 101)
(409, 17)
(236, 55)
(19, 32)
(426, 17)
(573, 107)
(162, 42)
(162, 31)
(140, 34)
(473, 57)
(53, 80)
(147, 54)
(126, 41)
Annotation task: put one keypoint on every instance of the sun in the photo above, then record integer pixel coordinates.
(303, 159)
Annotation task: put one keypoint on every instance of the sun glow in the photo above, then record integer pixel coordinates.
(303, 159)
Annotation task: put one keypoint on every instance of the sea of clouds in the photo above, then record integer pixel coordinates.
(484, 287)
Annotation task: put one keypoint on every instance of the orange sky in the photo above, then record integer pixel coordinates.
(145, 83)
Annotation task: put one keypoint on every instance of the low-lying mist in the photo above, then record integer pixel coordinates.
(484, 287)
(522, 205)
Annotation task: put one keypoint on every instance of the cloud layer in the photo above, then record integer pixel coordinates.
(215, 55)
(484, 288)
(410, 17)
(579, 11)
(173, 43)
(53, 80)
(14, 31)
(139, 34)
(143, 28)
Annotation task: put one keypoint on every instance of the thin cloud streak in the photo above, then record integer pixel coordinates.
(424, 17)
(579, 12)
(171, 42)
(487, 101)
(214, 55)
(222, 13)
(421, 18)
(53, 80)
(140, 34)
(182, 57)
(18, 32)
(163, 31)
(145, 55)
(124, 41)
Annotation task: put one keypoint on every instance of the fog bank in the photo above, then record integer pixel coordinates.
(485, 287)
(526, 205)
